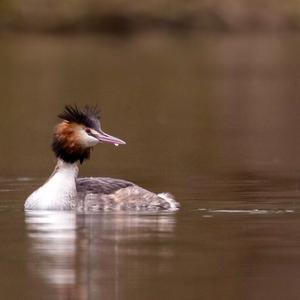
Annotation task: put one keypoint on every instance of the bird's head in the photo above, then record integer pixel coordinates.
(78, 132)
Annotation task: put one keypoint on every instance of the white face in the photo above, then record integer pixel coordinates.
(85, 139)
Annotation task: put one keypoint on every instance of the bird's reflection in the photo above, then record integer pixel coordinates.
(84, 255)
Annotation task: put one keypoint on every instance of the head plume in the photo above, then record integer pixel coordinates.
(78, 132)
(66, 143)
(89, 116)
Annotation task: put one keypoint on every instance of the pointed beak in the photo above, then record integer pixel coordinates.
(106, 138)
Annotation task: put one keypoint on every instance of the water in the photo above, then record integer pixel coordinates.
(213, 120)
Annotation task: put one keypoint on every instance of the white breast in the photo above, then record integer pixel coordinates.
(59, 192)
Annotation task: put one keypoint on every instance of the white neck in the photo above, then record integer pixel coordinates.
(58, 192)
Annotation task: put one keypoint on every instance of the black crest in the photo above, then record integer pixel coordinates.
(89, 116)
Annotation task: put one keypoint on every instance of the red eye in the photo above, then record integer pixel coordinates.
(88, 130)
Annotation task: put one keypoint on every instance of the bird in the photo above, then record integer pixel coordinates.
(78, 131)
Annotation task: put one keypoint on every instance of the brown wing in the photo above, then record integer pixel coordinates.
(100, 185)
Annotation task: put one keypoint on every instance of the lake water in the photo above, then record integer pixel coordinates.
(213, 120)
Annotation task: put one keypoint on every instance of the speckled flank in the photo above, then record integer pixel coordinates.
(131, 198)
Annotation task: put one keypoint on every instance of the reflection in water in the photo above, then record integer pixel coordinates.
(85, 256)
(53, 245)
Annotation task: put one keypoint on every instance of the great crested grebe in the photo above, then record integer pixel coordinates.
(73, 139)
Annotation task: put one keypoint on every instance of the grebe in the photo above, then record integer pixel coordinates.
(73, 139)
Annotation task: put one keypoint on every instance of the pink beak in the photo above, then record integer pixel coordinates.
(106, 138)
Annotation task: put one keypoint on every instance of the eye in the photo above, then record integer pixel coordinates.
(88, 130)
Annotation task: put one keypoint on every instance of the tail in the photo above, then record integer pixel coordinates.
(173, 204)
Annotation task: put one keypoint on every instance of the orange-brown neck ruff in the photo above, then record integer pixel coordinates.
(66, 144)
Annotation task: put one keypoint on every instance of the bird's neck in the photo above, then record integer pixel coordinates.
(59, 191)
(64, 171)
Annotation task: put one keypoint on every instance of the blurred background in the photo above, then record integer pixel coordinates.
(206, 95)
(192, 86)
(129, 16)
